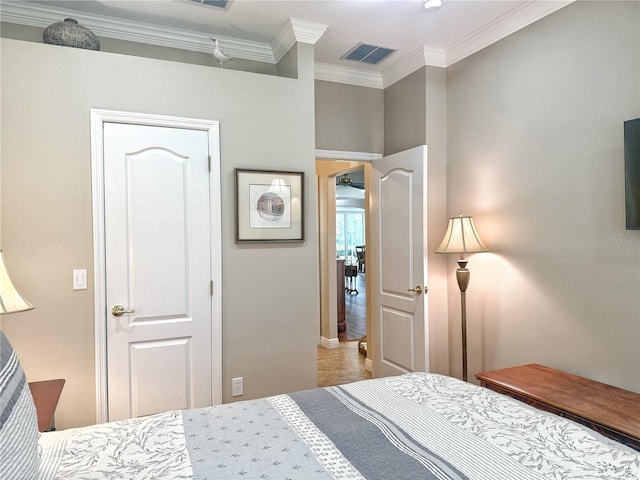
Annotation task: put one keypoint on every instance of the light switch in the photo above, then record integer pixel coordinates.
(80, 279)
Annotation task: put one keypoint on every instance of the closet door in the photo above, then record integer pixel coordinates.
(157, 225)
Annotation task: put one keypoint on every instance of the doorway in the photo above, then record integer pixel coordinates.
(329, 171)
(351, 249)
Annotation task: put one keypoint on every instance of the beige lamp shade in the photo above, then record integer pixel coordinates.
(10, 300)
(461, 237)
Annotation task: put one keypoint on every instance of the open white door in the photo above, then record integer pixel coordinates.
(398, 271)
(160, 248)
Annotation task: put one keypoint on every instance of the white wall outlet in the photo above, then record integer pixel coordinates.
(237, 386)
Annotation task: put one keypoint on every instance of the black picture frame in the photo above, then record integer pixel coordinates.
(269, 205)
(632, 173)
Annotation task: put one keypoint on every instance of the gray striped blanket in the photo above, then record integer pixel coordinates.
(414, 426)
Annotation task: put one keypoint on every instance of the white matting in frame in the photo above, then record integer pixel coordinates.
(269, 206)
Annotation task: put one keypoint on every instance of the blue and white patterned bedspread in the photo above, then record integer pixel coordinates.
(415, 426)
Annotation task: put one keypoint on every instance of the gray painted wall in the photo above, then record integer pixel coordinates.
(415, 114)
(535, 153)
(270, 292)
(436, 140)
(349, 118)
(405, 118)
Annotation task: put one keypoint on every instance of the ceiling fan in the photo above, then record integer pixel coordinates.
(345, 181)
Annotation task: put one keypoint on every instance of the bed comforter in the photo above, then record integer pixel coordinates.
(414, 426)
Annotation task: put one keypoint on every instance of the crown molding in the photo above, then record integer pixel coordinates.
(346, 155)
(420, 57)
(35, 15)
(307, 32)
(516, 19)
(283, 41)
(350, 76)
(295, 30)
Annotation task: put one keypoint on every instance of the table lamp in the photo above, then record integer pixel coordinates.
(10, 300)
(462, 238)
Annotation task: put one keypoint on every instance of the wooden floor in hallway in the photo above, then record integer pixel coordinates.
(355, 310)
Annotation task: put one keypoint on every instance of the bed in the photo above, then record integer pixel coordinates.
(413, 426)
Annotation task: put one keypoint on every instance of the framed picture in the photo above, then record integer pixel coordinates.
(269, 206)
(632, 173)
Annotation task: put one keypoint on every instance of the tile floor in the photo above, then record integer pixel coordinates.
(341, 365)
(346, 364)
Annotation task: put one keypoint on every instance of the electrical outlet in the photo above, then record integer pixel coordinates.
(237, 386)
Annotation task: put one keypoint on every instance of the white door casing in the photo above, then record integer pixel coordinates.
(328, 269)
(157, 231)
(399, 252)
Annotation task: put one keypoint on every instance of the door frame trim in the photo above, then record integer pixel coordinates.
(327, 227)
(212, 127)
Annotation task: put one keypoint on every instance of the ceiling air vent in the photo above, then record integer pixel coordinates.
(370, 54)
(223, 4)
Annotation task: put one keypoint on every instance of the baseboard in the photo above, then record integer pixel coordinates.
(368, 365)
(329, 342)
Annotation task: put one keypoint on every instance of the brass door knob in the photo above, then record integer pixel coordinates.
(417, 290)
(118, 311)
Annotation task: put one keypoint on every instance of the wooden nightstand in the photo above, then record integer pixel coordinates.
(46, 395)
(611, 411)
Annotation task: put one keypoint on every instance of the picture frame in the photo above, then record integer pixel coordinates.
(269, 206)
(632, 173)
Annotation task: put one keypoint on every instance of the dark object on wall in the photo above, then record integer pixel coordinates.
(69, 34)
(342, 320)
(632, 172)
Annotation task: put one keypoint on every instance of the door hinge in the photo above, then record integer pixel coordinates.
(209, 163)
(211, 287)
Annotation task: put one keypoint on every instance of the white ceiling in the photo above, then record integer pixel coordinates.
(249, 28)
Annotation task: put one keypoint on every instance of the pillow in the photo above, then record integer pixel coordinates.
(18, 419)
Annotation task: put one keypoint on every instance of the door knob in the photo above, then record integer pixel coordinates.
(417, 290)
(118, 311)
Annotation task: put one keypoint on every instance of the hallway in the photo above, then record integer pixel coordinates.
(345, 363)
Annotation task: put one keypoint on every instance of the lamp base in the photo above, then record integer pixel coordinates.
(462, 275)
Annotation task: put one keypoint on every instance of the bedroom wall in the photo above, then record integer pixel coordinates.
(415, 114)
(535, 153)
(349, 118)
(436, 140)
(405, 118)
(270, 304)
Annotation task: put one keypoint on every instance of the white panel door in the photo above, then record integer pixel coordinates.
(157, 249)
(398, 221)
